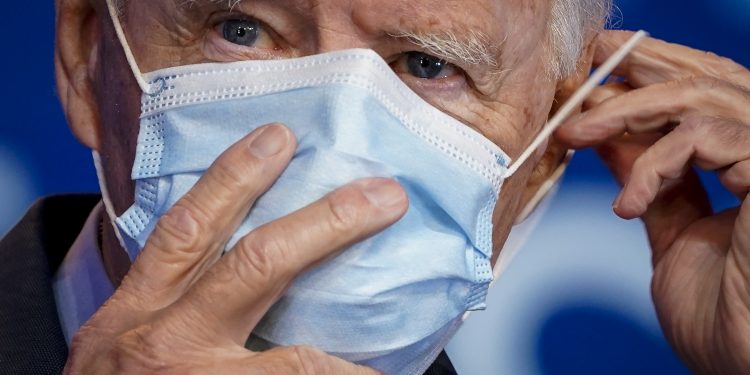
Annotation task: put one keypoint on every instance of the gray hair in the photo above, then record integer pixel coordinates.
(572, 22)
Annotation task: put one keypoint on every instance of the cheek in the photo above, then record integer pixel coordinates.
(514, 119)
(522, 122)
(507, 207)
(118, 100)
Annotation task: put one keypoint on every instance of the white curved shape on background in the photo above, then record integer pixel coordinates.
(580, 252)
(17, 190)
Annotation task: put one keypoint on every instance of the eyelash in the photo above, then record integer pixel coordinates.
(456, 80)
(218, 20)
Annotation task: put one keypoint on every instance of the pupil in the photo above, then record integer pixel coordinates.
(422, 65)
(242, 32)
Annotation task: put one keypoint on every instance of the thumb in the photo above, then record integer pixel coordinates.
(678, 204)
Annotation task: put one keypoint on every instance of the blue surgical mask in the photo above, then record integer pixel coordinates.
(390, 302)
(386, 301)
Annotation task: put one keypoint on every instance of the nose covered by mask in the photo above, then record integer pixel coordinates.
(387, 301)
(390, 302)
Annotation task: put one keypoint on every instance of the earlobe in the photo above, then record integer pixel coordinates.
(76, 60)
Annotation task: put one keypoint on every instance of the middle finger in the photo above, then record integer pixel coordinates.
(655, 61)
(235, 293)
(188, 238)
(656, 108)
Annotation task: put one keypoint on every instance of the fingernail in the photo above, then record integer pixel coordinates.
(269, 142)
(621, 194)
(616, 204)
(383, 193)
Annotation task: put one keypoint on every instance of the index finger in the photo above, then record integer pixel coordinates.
(187, 239)
(656, 61)
(235, 293)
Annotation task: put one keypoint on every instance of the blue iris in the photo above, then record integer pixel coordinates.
(422, 65)
(241, 31)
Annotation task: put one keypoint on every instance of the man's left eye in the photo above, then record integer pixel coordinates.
(424, 66)
(244, 32)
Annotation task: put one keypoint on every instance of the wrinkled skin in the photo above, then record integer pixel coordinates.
(180, 308)
(507, 103)
(680, 108)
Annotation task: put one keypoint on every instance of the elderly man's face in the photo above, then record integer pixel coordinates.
(493, 78)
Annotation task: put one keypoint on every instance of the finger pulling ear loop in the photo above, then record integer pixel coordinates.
(577, 99)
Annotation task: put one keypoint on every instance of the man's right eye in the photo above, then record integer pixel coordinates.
(244, 32)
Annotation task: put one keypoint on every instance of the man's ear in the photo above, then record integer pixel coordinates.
(76, 56)
(567, 86)
(555, 154)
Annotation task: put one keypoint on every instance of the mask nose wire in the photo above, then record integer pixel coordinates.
(578, 97)
(145, 86)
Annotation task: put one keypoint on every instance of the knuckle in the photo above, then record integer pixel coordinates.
(88, 344)
(310, 361)
(695, 127)
(141, 350)
(235, 174)
(177, 231)
(742, 174)
(641, 162)
(347, 209)
(705, 83)
(709, 92)
(738, 176)
(731, 133)
(726, 131)
(258, 259)
(722, 66)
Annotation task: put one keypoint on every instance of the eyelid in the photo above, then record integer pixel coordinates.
(218, 18)
(466, 70)
(216, 48)
(401, 59)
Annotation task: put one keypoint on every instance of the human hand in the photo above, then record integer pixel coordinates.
(679, 107)
(183, 308)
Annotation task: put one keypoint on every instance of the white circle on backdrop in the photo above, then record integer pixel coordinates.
(17, 190)
(580, 253)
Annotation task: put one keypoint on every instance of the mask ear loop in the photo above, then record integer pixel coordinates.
(575, 101)
(145, 86)
(108, 206)
(551, 183)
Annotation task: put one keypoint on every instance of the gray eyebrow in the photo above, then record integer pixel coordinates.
(473, 49)
(188, 3)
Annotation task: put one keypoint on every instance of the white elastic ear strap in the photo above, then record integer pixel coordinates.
(577, 99)
(108, 207)
(545, 188)
(115, 15)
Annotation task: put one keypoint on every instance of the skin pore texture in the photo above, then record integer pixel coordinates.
(507, 102)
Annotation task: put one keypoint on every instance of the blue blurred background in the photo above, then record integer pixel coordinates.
(575, 301)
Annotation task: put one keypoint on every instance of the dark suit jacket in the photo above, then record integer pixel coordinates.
(31, 339)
